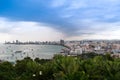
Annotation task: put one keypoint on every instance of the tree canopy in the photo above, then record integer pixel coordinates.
(92, 67)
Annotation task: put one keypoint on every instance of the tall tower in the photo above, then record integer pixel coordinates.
(62, 42)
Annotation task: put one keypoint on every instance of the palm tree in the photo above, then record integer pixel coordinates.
(68, 69)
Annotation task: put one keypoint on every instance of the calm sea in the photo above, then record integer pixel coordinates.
(17, 52)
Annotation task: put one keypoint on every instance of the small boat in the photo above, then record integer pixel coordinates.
(18, 51)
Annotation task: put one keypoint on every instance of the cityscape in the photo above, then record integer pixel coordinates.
(59, 39)
(75, 48)
(94, 46)
(61, 42)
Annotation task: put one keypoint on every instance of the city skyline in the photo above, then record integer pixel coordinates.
(51, 20)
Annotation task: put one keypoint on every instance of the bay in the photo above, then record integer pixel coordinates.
(11, 52)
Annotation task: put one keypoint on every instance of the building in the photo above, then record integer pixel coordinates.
(62, 42)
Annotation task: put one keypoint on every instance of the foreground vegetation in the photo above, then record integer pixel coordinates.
(83, 67)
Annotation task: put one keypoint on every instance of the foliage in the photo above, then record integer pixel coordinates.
(92, 67)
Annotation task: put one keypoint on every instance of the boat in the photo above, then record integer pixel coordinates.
(18, 51)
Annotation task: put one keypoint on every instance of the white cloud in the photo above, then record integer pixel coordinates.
(76, 4)
(102, 9)
(85, 15)
(96, 30)
(73, 4)
(58, 3)
(25, 31)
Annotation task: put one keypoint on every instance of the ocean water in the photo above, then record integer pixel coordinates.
(18, 52)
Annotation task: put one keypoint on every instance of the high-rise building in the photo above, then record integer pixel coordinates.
(62, 42)
(17, 41)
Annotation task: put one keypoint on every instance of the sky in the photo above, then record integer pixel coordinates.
(51, 20)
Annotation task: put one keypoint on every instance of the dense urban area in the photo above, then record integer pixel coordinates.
(94, 46)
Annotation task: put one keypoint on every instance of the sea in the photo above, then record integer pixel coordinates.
(12, 52)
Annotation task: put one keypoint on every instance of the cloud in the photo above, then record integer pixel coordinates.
(71, 19)
(26, 30)
(76, 4)
(58, 3)
(101, 9)
(96, 30)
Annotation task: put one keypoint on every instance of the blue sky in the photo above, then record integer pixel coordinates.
(59, 19)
